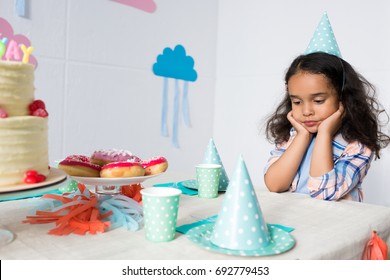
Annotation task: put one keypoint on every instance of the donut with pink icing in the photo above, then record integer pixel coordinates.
(78, 165)
(103, 157)
(155, 165)
(122, 169)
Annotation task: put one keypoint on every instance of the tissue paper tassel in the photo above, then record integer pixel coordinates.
(82, 212)
(77, 213)
(125, 212)
(133, 191)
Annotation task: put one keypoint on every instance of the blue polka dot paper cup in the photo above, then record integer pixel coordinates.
(160, 206)
(208, 176)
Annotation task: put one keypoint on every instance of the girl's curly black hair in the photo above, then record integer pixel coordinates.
(361, 118)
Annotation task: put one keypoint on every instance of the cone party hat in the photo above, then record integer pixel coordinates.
(240, 228)
(240, 224)
(212, 156)
(323, 39)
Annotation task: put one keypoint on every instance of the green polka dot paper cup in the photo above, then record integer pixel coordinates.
(208, 176)
(160, 206)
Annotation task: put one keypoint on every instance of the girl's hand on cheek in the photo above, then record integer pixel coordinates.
(297, 126)
(332, 124)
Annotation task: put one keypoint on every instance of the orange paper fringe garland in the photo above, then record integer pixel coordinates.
(78, 214)
(133, 191)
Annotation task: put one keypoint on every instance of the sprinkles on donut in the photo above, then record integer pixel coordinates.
(79, 165)
(103, 157)
(112, 163)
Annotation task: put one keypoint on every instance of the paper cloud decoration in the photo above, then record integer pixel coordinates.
(212, 156)
(323, 39)
(174, 63)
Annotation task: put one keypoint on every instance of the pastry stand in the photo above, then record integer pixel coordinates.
(97, 206)
(111, 186)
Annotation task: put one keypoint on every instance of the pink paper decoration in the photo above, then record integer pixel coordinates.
(144, 5)
(10, 45)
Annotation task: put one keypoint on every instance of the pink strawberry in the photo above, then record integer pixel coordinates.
(3, 114)
(40, 113)
(36, 104)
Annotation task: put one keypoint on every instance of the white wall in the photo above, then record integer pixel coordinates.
(257, 40)
(95, 59)
(95, 74)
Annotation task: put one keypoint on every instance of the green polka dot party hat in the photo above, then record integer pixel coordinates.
(212, 156)
(323, 39)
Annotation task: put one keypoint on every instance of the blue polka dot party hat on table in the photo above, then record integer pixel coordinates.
(240, 228)
(323, 39)
(240, 224)
(212, 156)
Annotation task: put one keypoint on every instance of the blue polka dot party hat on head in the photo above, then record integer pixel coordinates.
(240, 224)
(323, 39)
(212, 156)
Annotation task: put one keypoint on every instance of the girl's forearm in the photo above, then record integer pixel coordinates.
(322, 157)
(281, 173)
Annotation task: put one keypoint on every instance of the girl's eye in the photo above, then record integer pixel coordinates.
(295, 102)
(319, 101)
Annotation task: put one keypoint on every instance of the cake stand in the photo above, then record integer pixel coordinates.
(111, 186)
(55, 177)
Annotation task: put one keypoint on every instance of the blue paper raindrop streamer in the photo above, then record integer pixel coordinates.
(186, 113)
(175, 141)
(20, 8)
(164, 128)
(175, 64)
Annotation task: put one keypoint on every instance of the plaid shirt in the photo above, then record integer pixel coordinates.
(351, 164)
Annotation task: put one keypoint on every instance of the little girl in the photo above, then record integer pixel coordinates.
(326, 130)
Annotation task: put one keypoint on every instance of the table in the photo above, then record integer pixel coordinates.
(323, 230)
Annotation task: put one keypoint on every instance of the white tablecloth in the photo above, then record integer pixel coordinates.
(323, 230)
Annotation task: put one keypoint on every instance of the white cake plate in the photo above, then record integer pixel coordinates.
(111, 186)
(55, 176)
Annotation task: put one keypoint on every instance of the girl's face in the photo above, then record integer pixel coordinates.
(313, 99)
